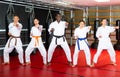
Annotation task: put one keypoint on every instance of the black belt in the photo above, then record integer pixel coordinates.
(11, 37)
(59, 37)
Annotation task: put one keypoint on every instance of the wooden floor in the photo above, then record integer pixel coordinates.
(60, 67)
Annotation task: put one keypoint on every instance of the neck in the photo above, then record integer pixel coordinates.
(103, 25)
(81, 27)
(15, 22)
(58, 21)
(36, 25)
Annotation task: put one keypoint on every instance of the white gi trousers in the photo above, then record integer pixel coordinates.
(31, 46)
(63, 44)
(105, 44)
(85, 48)
(12, 45)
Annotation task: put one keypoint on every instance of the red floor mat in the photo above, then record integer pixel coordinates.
(60, 68)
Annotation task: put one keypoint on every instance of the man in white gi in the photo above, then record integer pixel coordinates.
(102, 34)
(58, 29)
(36, 42)
(14, 41)
(81, 43)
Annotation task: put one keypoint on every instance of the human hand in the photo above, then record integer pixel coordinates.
(76, 37)
(100, 36)
(9, 33)
(89, 27)
(117, 27)
(52, 29)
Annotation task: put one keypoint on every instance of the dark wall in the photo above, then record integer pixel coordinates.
(41, 14)
(3, 8)
(20, 11)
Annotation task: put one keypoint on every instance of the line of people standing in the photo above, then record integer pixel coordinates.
(58, 29)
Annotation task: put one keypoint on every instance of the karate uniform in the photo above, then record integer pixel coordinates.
(81, 44)
(58, 39)
(36, 42)
(104, 42)
(14, 42)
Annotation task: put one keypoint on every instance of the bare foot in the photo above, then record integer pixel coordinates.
(113, 63)
(48, 63)
(6, 63)
(73, 65)
(28, 63)
(70, 63)
(92, 65)
(23, 64)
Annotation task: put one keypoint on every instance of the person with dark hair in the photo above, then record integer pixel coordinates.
(58, 29)
(102, 34)
(36, 42)
(14, 41)
(80, 35)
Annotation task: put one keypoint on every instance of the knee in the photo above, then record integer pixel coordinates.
(20, 51)
(5, 51)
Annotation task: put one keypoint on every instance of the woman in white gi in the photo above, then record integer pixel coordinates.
(102, 34)
(14, 41)
(81, 43)
(58, 29)
(36, 42)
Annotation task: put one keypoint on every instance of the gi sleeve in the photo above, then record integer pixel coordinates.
(87, 29)
(50, 27)
(10, 27)
(20, 27)
(66, 24)
(41, 28)
(111, 29)
(31, 32)
(75, 33)
(98, 33)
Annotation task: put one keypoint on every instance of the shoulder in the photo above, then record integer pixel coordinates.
(20, 24)
(86, 27)
(41, 25)
(63, 22)
(32, 28)
(76, 29)
(10, 25)
(99, 27)
(53, 23)
(110, 26)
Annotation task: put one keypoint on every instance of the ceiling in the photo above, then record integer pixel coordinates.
(84, 2)
(93, 3)
(77, 4)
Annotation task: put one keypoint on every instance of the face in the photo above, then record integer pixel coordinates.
(82, 24)
(36, 21)
(104, 22)
(16, 19)
(58, 17)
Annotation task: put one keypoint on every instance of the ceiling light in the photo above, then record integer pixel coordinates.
(62, 2)
(102, 0)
